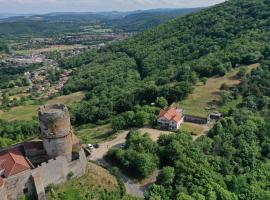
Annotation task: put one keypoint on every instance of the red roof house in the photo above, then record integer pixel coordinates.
(12, 162)
(170, 118)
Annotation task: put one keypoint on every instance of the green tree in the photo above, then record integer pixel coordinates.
(166, 176)
(161, 102)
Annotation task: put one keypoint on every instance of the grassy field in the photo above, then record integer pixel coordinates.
(206, 97)
(93, 134)
(92, 183)
(29, 111)
(194, 129)
(49, 49)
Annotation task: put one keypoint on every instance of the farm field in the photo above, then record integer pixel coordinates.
(206, 97)
(29, 111)
(49, 49)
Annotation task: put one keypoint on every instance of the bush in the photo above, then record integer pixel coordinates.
(166, 176)
(138, 159)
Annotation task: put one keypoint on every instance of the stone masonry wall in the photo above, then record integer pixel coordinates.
(18, 184)
(54, 172)
(56, 130)
(3, 193)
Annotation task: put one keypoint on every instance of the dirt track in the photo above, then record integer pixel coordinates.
(133, 188)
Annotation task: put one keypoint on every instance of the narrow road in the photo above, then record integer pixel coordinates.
(133, 187)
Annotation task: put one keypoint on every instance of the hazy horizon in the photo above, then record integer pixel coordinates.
(18, 7)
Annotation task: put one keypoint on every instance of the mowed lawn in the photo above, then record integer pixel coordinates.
(93, 134)
(29, 111)
(193, 129)
(92, 183)
(206, 97)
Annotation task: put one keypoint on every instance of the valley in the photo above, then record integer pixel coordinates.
(163, 104)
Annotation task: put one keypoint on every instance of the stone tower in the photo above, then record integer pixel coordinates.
(56, 130)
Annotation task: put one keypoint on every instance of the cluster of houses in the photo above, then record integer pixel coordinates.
(63, 80)
(77, 39)
(172, 118)
(40, 84)
(25, 59)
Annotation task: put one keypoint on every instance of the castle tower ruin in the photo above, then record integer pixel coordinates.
(56, 131)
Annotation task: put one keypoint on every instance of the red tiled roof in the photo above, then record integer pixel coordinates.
(12, 162)
(171, 114)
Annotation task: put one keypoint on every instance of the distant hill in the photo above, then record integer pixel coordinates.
(142, 20)
(8, 15)
(53, 23)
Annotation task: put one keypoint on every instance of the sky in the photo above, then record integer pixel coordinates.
(46, 6)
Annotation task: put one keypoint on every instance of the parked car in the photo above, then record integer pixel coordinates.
(96, 146)
(90, 146)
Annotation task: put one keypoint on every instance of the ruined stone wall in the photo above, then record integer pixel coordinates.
(3, 194)
(17, 185)
(59, 147)
(53, 172)
(78, 167)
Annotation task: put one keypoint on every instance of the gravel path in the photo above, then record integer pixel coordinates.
(133, 187)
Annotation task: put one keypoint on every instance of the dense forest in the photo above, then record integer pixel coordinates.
(140, 21)
(232, 162)
(161, 66)
(17, 131)
(167, 60)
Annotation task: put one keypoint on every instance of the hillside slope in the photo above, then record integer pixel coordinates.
(143, 20)
(167, 60)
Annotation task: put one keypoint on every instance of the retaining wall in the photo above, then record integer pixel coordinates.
(195, 119)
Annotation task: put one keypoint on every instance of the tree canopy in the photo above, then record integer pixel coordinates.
(167, 60)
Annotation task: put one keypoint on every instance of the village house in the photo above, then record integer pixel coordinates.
(171, 118)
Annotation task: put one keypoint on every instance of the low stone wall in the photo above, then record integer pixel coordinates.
(78, 167)
(195, 119)
(53, 172)
(19, 184)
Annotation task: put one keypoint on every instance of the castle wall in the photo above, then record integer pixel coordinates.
(53, 172)
(18, 185)
(39, 187)
(59, 146)
(78, 167)
(3, 193)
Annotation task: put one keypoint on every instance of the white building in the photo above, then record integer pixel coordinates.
(171, 118)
